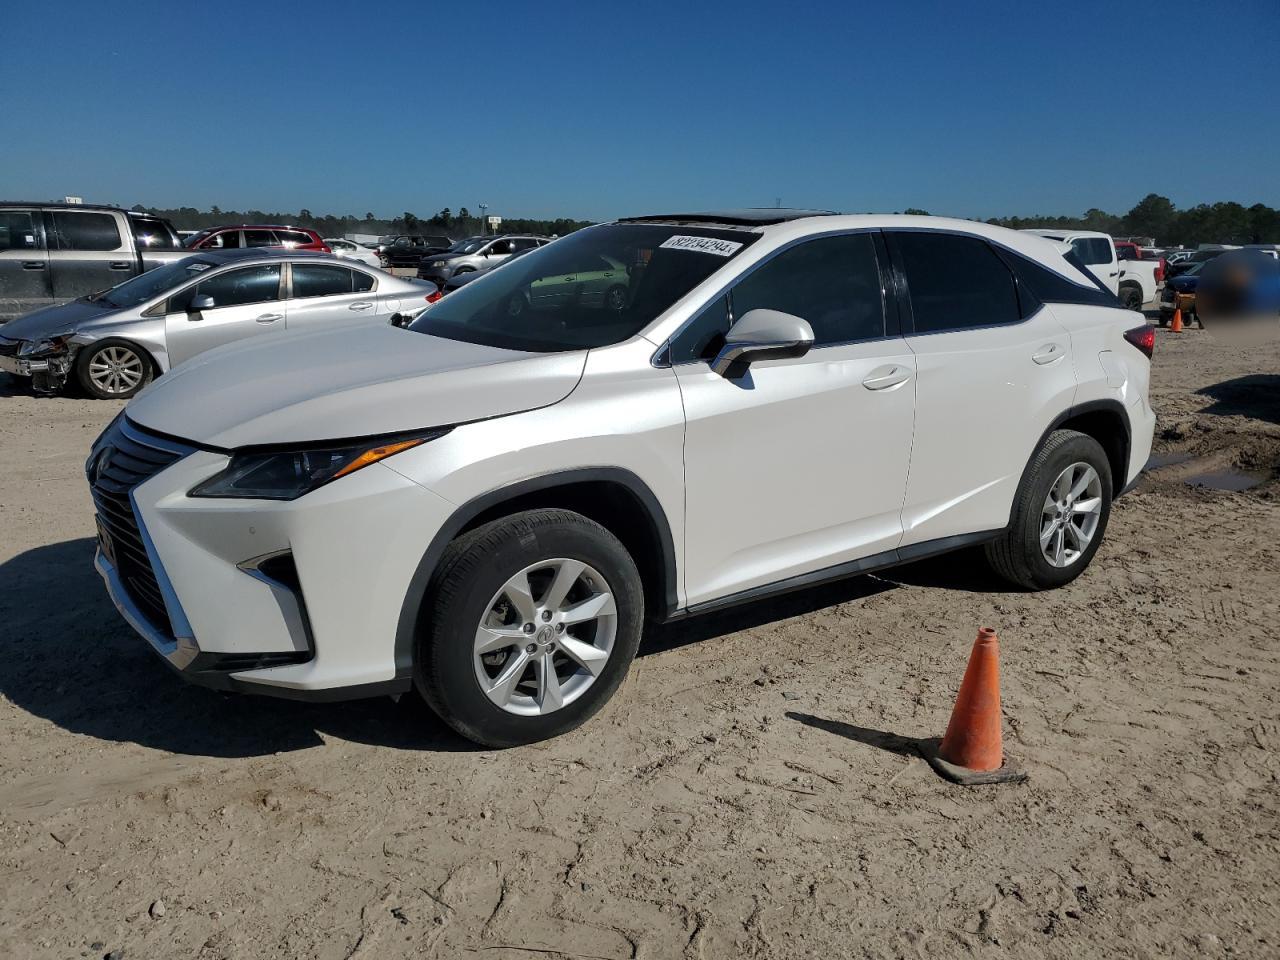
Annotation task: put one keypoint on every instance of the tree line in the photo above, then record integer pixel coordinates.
(1156, 216)
(1153, 216)
(455, 225)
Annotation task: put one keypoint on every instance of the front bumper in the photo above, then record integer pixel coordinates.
(21, 367)
(437, 275)
(329, 631)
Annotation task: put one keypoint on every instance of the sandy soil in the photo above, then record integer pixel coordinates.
(750, 792)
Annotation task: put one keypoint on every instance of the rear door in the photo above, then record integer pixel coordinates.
(25, 283)
(992, 371)
(330, 295)
(247, 302)
(88, 252)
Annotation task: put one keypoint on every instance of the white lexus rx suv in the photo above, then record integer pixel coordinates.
(654, 417)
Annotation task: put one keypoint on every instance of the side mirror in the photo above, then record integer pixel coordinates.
(763, 335)
(202, 302)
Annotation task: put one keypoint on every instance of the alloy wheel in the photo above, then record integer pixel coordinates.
(116, 370)
(545, 637)
(1070, 515)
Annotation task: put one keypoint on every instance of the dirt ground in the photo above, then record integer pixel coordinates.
(751, 792)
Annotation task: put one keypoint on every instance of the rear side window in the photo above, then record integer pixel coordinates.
(17, 230)
(320, 280)
(832, 282)
(260, 238)
(153, 234)
(1092, 251)
(956, 283)
(294, 238)
(85, 231)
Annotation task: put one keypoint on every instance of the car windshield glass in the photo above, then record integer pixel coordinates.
(598, 286)
(467, 246)
(195, 238)
(153, 283)
(1192, 271)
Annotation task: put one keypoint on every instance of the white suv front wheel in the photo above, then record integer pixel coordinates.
(1060, 514)
(535, 620)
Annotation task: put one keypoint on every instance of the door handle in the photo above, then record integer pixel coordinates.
(32, 264)
(269, 317)
(1049, 353)
(882, 378)
(1114, 273)
(362, 305)
(119, 265)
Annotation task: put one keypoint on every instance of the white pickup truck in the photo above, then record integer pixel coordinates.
(1135, 282)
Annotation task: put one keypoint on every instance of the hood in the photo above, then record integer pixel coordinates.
(445, 256)
(54, 321)
(335, 384)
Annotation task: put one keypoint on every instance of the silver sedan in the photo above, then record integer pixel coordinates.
(114, 342)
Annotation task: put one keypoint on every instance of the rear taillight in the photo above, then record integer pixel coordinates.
(1160, 269)
(434, 296)
(1143, 337)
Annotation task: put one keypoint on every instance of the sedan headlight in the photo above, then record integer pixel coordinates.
(28, 348)
(288, 474)
(437, 263)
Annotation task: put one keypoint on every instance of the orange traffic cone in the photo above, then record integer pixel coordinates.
(971, 752)
(1175, 325)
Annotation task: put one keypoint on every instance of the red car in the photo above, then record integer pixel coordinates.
(257, 235)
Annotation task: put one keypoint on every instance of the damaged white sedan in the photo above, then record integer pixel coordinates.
(114, 343)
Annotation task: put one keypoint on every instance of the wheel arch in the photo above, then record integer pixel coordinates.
(615, 498)
(1105, 421)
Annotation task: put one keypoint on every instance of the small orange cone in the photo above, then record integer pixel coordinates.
(971, 752)
(1175, 325)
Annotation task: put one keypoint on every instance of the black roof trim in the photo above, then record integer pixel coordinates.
(748, 217)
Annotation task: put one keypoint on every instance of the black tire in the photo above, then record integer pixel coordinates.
(1016, 555)
(1131, 297)
(112, 347)
(474, 568)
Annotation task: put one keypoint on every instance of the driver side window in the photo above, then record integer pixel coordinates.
(234, 288)
(831, 282)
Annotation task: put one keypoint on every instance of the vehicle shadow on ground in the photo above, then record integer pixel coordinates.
(66, 655)
(965, 570)
(661, 637)
(1256, 396)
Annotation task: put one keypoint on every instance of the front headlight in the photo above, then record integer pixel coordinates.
(288, 474)
(29, 348)
(438, 263)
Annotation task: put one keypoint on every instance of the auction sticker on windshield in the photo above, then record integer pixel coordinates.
(721, 248)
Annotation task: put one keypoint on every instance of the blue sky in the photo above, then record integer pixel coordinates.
(597, 110)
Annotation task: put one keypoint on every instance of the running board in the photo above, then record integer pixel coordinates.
(853, 568)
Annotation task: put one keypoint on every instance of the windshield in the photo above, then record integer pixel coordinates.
(468, 246)
(153, 283)
(598, 286)
(195, 238)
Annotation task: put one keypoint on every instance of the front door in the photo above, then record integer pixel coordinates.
(800, 464)
(25, 283)
(246, 303)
